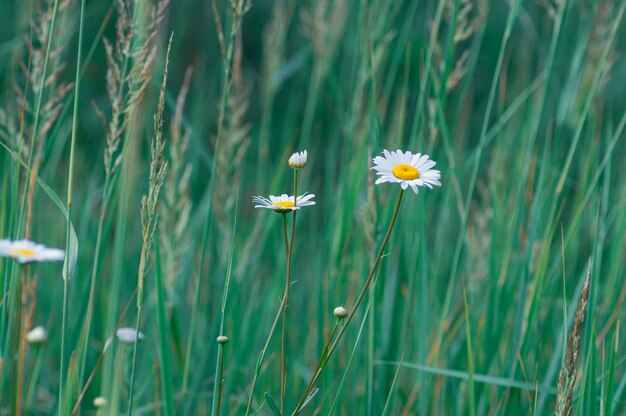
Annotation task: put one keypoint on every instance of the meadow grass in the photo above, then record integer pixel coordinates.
(500, 292)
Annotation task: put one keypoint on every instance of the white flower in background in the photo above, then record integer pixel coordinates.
(26, 251)
(283, 203)
(128, 335)
(100, 402)
(406, 169)
(37, 335)
(298, 160)
(340, 312)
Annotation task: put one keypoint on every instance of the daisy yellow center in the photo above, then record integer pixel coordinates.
(285, 204)
(405, 172)
(22, 252)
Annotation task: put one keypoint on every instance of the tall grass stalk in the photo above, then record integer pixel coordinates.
(470, 355)
(221, 340)
(165, 366)
(70, 247)
(567, 376)
(149, 213)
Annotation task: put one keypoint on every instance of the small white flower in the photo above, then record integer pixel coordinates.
(128, 335)
(37, 335)
(25, 251)
(406, 169)
(283, 203)
(100, 402)
(298, 160)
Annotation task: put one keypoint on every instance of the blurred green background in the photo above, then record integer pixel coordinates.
(521, 103)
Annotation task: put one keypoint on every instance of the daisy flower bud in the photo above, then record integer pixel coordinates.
(298, 160)
(223, 339)
(340, 312)
(100, 402)
(37, 335)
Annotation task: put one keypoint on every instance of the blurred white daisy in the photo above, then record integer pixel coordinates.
(26, 251)
(128, 335)
(298, 160)
(406, 169)
(283, 203)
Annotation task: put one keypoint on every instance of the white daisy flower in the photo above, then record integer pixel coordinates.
(406, 169)
(298, 160)
(128, 335)
(283, 203)
(26, 251)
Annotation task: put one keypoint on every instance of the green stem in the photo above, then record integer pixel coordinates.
(257, 370)
(32, 384)
(92, 285)
(220, 379)
(134, 363)
(321, 361)
(63, 327)
(283, 369)
(289, 248)
(219, 364)
(163, 352)
(67, 267)
(140, 277)
(333, 346)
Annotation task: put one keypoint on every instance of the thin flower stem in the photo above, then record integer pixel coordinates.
(257, 371)
(333, 346)
(289, 248)
(262, 356)
(283, 370)
(220, 380)
(321, 360)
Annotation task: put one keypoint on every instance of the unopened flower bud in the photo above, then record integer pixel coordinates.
(340, 312)
(100, 402)
(298, 160)
(223, 339)
(37, 335)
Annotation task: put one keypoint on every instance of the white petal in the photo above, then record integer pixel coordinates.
(427, 165)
